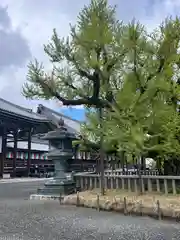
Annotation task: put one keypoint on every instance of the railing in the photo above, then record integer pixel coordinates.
(119, 172)
(131, 183)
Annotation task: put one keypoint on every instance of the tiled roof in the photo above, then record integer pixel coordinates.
(15, 110)
(43, 114)
(71, 124)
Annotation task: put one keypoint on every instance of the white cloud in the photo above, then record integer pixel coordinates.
(36, 19)
(37, 30)
(161, 10)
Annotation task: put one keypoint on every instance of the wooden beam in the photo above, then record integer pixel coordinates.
(29, 150)
(4, 150)
(19, 140)
(15, 152)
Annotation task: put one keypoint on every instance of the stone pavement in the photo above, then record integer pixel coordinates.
(14, 180)
(22, 219)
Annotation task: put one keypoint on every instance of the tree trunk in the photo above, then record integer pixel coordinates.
(102, 183)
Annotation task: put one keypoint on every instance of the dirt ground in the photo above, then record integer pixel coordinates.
(115, 200)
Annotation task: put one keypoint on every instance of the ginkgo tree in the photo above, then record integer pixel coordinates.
(141, 127)
(85, 64)
(92, 66)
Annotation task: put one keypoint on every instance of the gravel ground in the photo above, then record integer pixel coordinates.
(22, 219)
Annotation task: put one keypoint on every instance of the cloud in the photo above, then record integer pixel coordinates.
(14, 47)
(4, 18)
(25, 25)
(35, 31)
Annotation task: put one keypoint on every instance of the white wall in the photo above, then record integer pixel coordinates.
(34, 146)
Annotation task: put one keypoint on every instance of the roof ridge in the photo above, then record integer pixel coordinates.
(27, 110)
(15, 105)
(60, 114)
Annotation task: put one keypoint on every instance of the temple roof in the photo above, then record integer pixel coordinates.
(72, 125)
(21, 112)
(43, 115)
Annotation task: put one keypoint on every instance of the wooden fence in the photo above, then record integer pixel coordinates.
(131, 183)
(119, 172)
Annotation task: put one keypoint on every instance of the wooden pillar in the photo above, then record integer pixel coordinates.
(29, 152)
(98, 164)
(4, 150)
(143, 163)
(15, 152)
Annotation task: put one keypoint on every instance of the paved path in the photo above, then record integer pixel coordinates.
(17, 180)
(22, 219)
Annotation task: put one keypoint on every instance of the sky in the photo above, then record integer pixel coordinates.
(26, 25)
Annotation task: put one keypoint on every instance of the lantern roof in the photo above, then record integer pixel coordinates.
(61, 132)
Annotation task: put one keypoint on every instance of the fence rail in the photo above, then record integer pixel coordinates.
(118, 172)
(131, 183)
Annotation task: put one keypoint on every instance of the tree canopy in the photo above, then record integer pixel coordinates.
(85, 64)
(131, 73)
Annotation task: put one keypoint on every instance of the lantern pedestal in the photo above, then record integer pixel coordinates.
(59, 185)
(57, 188)
(60, 151)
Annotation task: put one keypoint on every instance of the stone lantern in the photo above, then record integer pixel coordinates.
(60, 142)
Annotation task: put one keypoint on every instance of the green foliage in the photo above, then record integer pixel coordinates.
(82, 63)
(129, 72)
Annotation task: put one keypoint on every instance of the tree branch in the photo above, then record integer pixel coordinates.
(90, 101)
(160, 68)
(82, 73)
(96, 85)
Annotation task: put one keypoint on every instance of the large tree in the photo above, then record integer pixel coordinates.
(92, 66)
(147, 126)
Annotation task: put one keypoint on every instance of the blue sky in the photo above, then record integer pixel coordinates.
(22, 36)
(75, 113)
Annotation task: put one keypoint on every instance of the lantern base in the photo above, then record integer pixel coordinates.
(58, 187)
(46, 197)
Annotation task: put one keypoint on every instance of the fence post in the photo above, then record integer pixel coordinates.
(90, 183)
(141, 208)
(129, 184)
(60, 198)
(98, 207)
(122, 180)
(165, 186)
(135, 185)
(174, 186)
(82, 183)
(78, 200)
(116, 204)
(158, 185)
(125, 206)
(95, 182)
(117, 182)
(158, 210)
(111, 182)
(149, 185)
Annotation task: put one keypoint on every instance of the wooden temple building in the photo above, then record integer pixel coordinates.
(21, 148)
